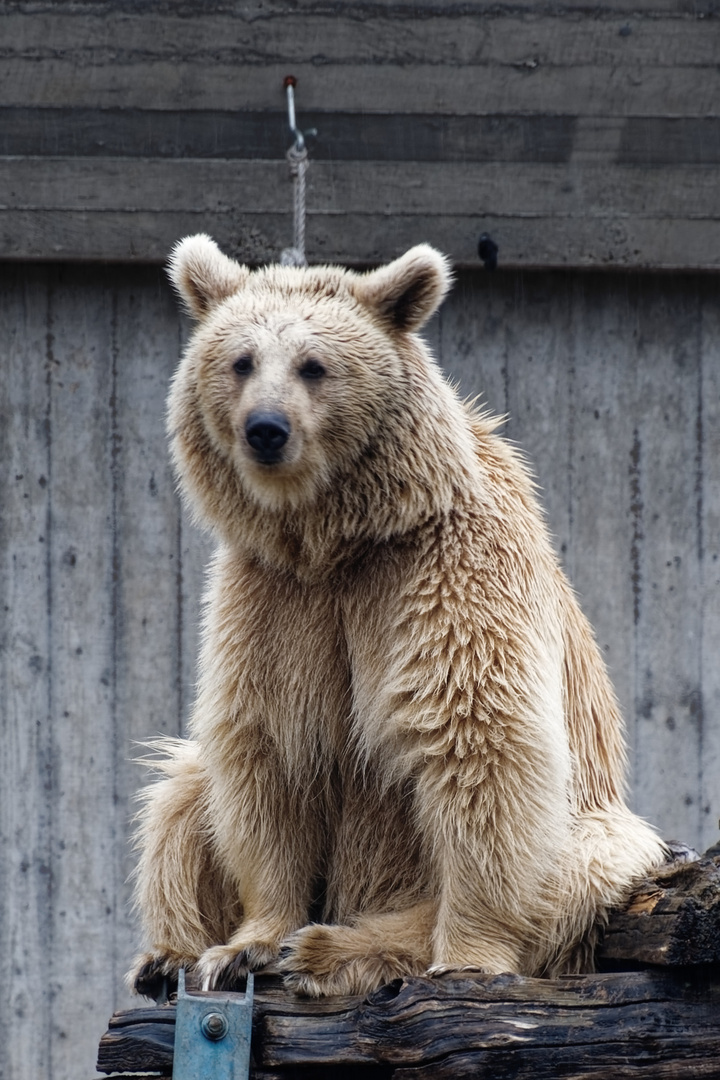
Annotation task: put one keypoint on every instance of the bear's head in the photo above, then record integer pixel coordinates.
(307, 393)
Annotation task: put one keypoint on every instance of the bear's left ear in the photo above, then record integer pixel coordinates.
(202, 275)
(409, 290)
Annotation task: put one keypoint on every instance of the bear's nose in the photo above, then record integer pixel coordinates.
(267, 433)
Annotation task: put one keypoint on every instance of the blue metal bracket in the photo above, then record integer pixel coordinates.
(212, 1034)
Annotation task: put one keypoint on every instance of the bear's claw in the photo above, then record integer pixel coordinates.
(155, 975)
(225, 967)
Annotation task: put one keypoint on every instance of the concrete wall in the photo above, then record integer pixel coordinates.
(576, 134)
(612, 386)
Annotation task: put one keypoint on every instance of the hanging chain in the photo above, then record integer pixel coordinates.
(297, 157)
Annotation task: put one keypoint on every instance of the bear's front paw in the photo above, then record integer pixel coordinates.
(155, 974)
(224, 967)
(340, 960)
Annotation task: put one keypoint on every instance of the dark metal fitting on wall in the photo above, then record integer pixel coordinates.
(488, 252)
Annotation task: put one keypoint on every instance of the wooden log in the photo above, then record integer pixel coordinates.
(139, 1040)
(639, 1024)
(672, 919)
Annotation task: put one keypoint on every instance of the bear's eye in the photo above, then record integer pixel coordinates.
(312, 369)
(243, 365)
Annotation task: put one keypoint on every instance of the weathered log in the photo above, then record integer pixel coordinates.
(671, 919)
(655, 1023)
(139, 1040)
(641, 1024)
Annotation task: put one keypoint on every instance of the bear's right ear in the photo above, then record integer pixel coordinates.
(202, 275)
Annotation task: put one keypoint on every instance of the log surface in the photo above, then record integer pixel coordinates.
(639, 1024)
(672, 919)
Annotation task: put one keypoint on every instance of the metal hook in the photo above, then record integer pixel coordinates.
(290, 82)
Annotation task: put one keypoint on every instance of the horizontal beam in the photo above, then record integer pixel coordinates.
(473, 89)
(349, 136)
(650, 58)
(452, 58)
(561, 35)
(340, 136)
(410, 9)
(426, 190)
(362, 212)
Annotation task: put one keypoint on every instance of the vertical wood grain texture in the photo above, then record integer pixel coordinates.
(611, 384)
(668, 699)
(708, 480)
(25, 658)
(601, 526)
(146, 558)
(83, 591)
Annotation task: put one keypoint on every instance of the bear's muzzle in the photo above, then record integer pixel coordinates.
(267, 433)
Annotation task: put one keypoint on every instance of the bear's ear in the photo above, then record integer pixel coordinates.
(409, 290)
(202, 275)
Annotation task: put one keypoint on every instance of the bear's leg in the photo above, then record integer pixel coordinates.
(355, 959)
(268, 835)
(472, 933)
(185, 902)
(376, 896)
(505, 916)
(499, 853)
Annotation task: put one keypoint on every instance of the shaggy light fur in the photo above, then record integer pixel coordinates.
(403, 724)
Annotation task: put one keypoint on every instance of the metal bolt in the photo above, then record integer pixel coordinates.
(214, 1026)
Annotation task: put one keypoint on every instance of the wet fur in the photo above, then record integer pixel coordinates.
(403, 721)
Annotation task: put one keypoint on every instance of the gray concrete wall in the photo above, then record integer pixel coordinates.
(612, 386)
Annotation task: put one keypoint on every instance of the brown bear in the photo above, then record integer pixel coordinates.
(406, 755)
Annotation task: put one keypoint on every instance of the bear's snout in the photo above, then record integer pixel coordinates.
(267, 433)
